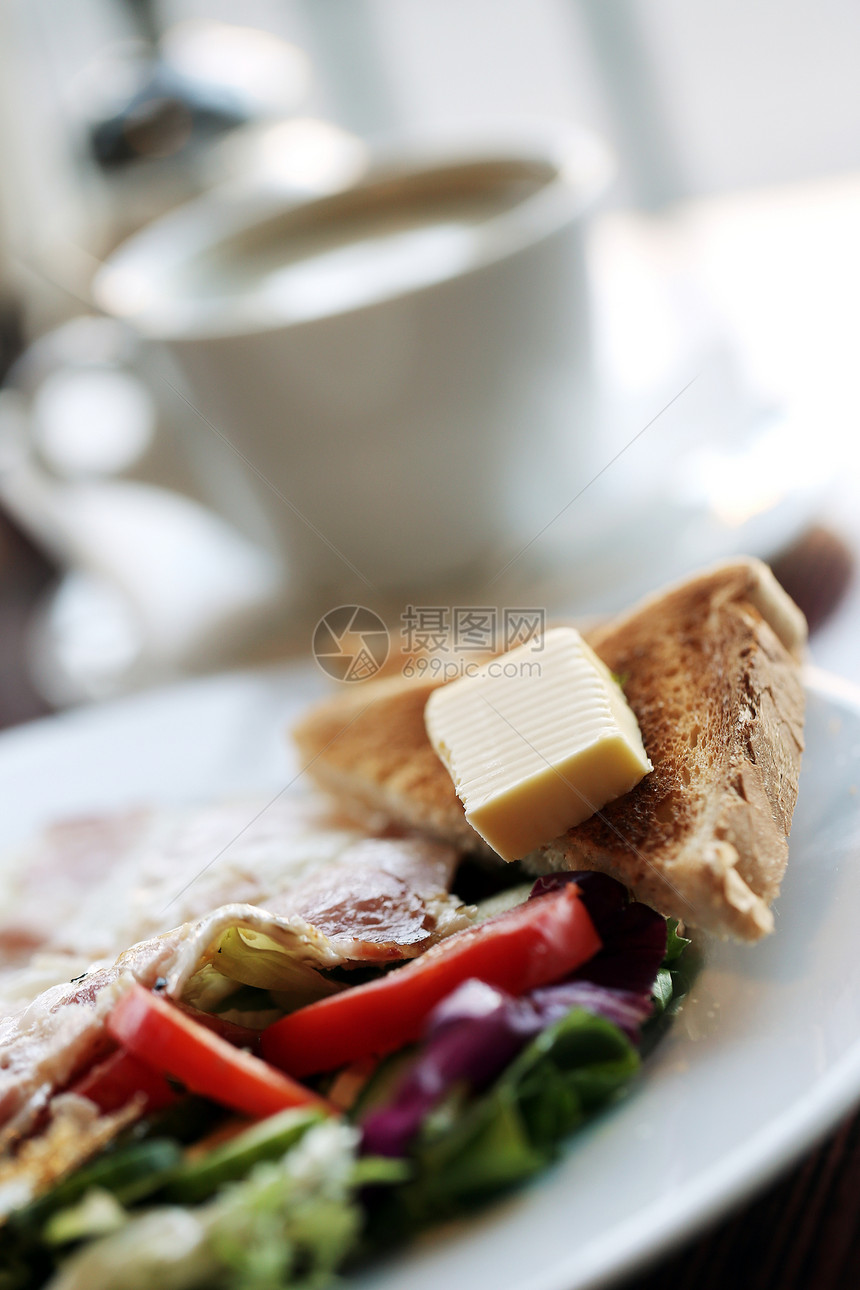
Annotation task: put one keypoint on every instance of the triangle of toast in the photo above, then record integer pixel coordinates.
(711, 668)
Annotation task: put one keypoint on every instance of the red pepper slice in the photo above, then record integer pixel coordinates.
(167, 1040)
(539, 942)
(112, 1084)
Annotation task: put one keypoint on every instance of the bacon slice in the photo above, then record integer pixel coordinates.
(89, 888)
(385, 898)
(61, 1033)
(361, 900)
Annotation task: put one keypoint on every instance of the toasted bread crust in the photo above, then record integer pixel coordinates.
(711, 669)
(370, 749)
(716, 688)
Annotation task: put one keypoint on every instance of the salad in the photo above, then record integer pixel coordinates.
(273, 1125)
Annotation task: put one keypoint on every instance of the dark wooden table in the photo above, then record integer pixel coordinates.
(802, 1233)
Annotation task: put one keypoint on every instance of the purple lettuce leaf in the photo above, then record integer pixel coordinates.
(473, 1035)
(626, 1009)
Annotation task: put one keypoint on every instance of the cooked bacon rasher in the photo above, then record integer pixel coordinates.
(309, 884)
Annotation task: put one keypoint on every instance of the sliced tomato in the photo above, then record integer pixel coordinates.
(113, 1081)
(112, 1084)
(534, 944)
(166, 1040)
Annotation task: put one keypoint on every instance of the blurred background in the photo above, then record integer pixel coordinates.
(679, 341)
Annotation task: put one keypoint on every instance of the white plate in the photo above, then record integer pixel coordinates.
(764, 1058)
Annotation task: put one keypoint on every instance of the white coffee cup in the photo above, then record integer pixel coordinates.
(389, 363)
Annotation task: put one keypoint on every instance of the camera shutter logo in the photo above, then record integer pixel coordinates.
(351, 643)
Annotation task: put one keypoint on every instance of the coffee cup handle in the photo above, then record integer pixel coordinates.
(194, 587)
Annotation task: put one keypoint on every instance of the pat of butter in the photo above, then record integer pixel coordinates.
(536, 741)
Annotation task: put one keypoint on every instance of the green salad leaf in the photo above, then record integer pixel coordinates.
(290, 1221)
(676, 944)
(472, 1148)
(662, 991)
